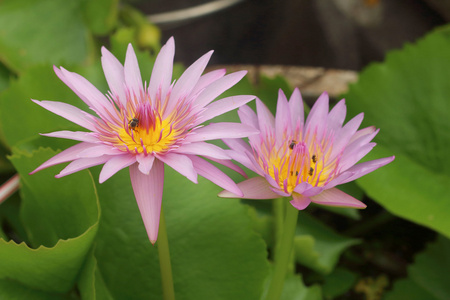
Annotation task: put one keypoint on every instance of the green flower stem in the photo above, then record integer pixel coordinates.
(283, 253)
(164, 260)
(278, 215)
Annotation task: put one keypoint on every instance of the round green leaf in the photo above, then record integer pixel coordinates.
(407, 96)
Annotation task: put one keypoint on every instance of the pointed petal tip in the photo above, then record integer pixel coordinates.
(153, 242)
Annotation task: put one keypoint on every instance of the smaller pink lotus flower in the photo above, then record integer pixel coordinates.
(144, 126)
(303, 159)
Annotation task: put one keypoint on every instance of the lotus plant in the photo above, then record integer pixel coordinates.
(302, 160)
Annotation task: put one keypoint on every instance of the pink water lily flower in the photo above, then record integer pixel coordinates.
(144, 126)
(303, 159)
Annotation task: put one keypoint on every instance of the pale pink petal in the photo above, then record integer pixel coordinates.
(338, 180)
(300, 202)
(248, 116)
(69, 154)
(185, 84)
(74, 135)
(204, 149)
(296, 108)
(207, 79)
(344, 135)
(99, 150)
(283, 117)
(180, 163)
(316, 122)
(363, 132)
(148, 190)
(244, 159)
(312, 191)
(229, 164)
(367, 167)
(265, 118)
(253, 188)
(114, 165)
(81, 164)
(351, 158)
(161, 78)
(223, 130)
(132, 73)
(212, 173)
(145, 162)
(218, 87)
(301, 187)
(336, 116)
(238, 145)
(69, 112)
(90, 94)
(114, 74)
(222, 106)
(335, 197)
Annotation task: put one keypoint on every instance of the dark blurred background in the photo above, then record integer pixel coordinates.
(344, 34)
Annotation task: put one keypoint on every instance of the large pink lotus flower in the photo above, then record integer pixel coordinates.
(144, 127)
(303, 159)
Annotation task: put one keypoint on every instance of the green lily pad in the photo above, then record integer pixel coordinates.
(407, 97)
(33, 32)
(13, 290)
(61, 220)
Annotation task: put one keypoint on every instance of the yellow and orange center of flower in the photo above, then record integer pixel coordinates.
(155, 137)
(294, 163)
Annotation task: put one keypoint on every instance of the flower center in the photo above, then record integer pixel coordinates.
(146, 131)
(296, 162)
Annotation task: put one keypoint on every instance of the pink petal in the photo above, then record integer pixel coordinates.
(185, 84)
(362, 132)
(243, 158)
(351, 158)
(114, 165)
(336, 116)
(222, 106)
(89, 94)
(81, 164)
(207, 79)
(218, 87)
(212, 173)
(74, 135)
(69, 112)
(223, 130)
(283, 117)
(300, 202)
(69, 154)
(367, 167)
(335, 197)
(132, 73)
(253, 188)
(316, 122)
(114, 74)
(148, 190)
(204, 149)
(180, 163)
(162, 71)
(230, 165)
(145, 163)
(265, 118)
(248, 116)
(296, 108)
(344, 135)
(99, 150)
